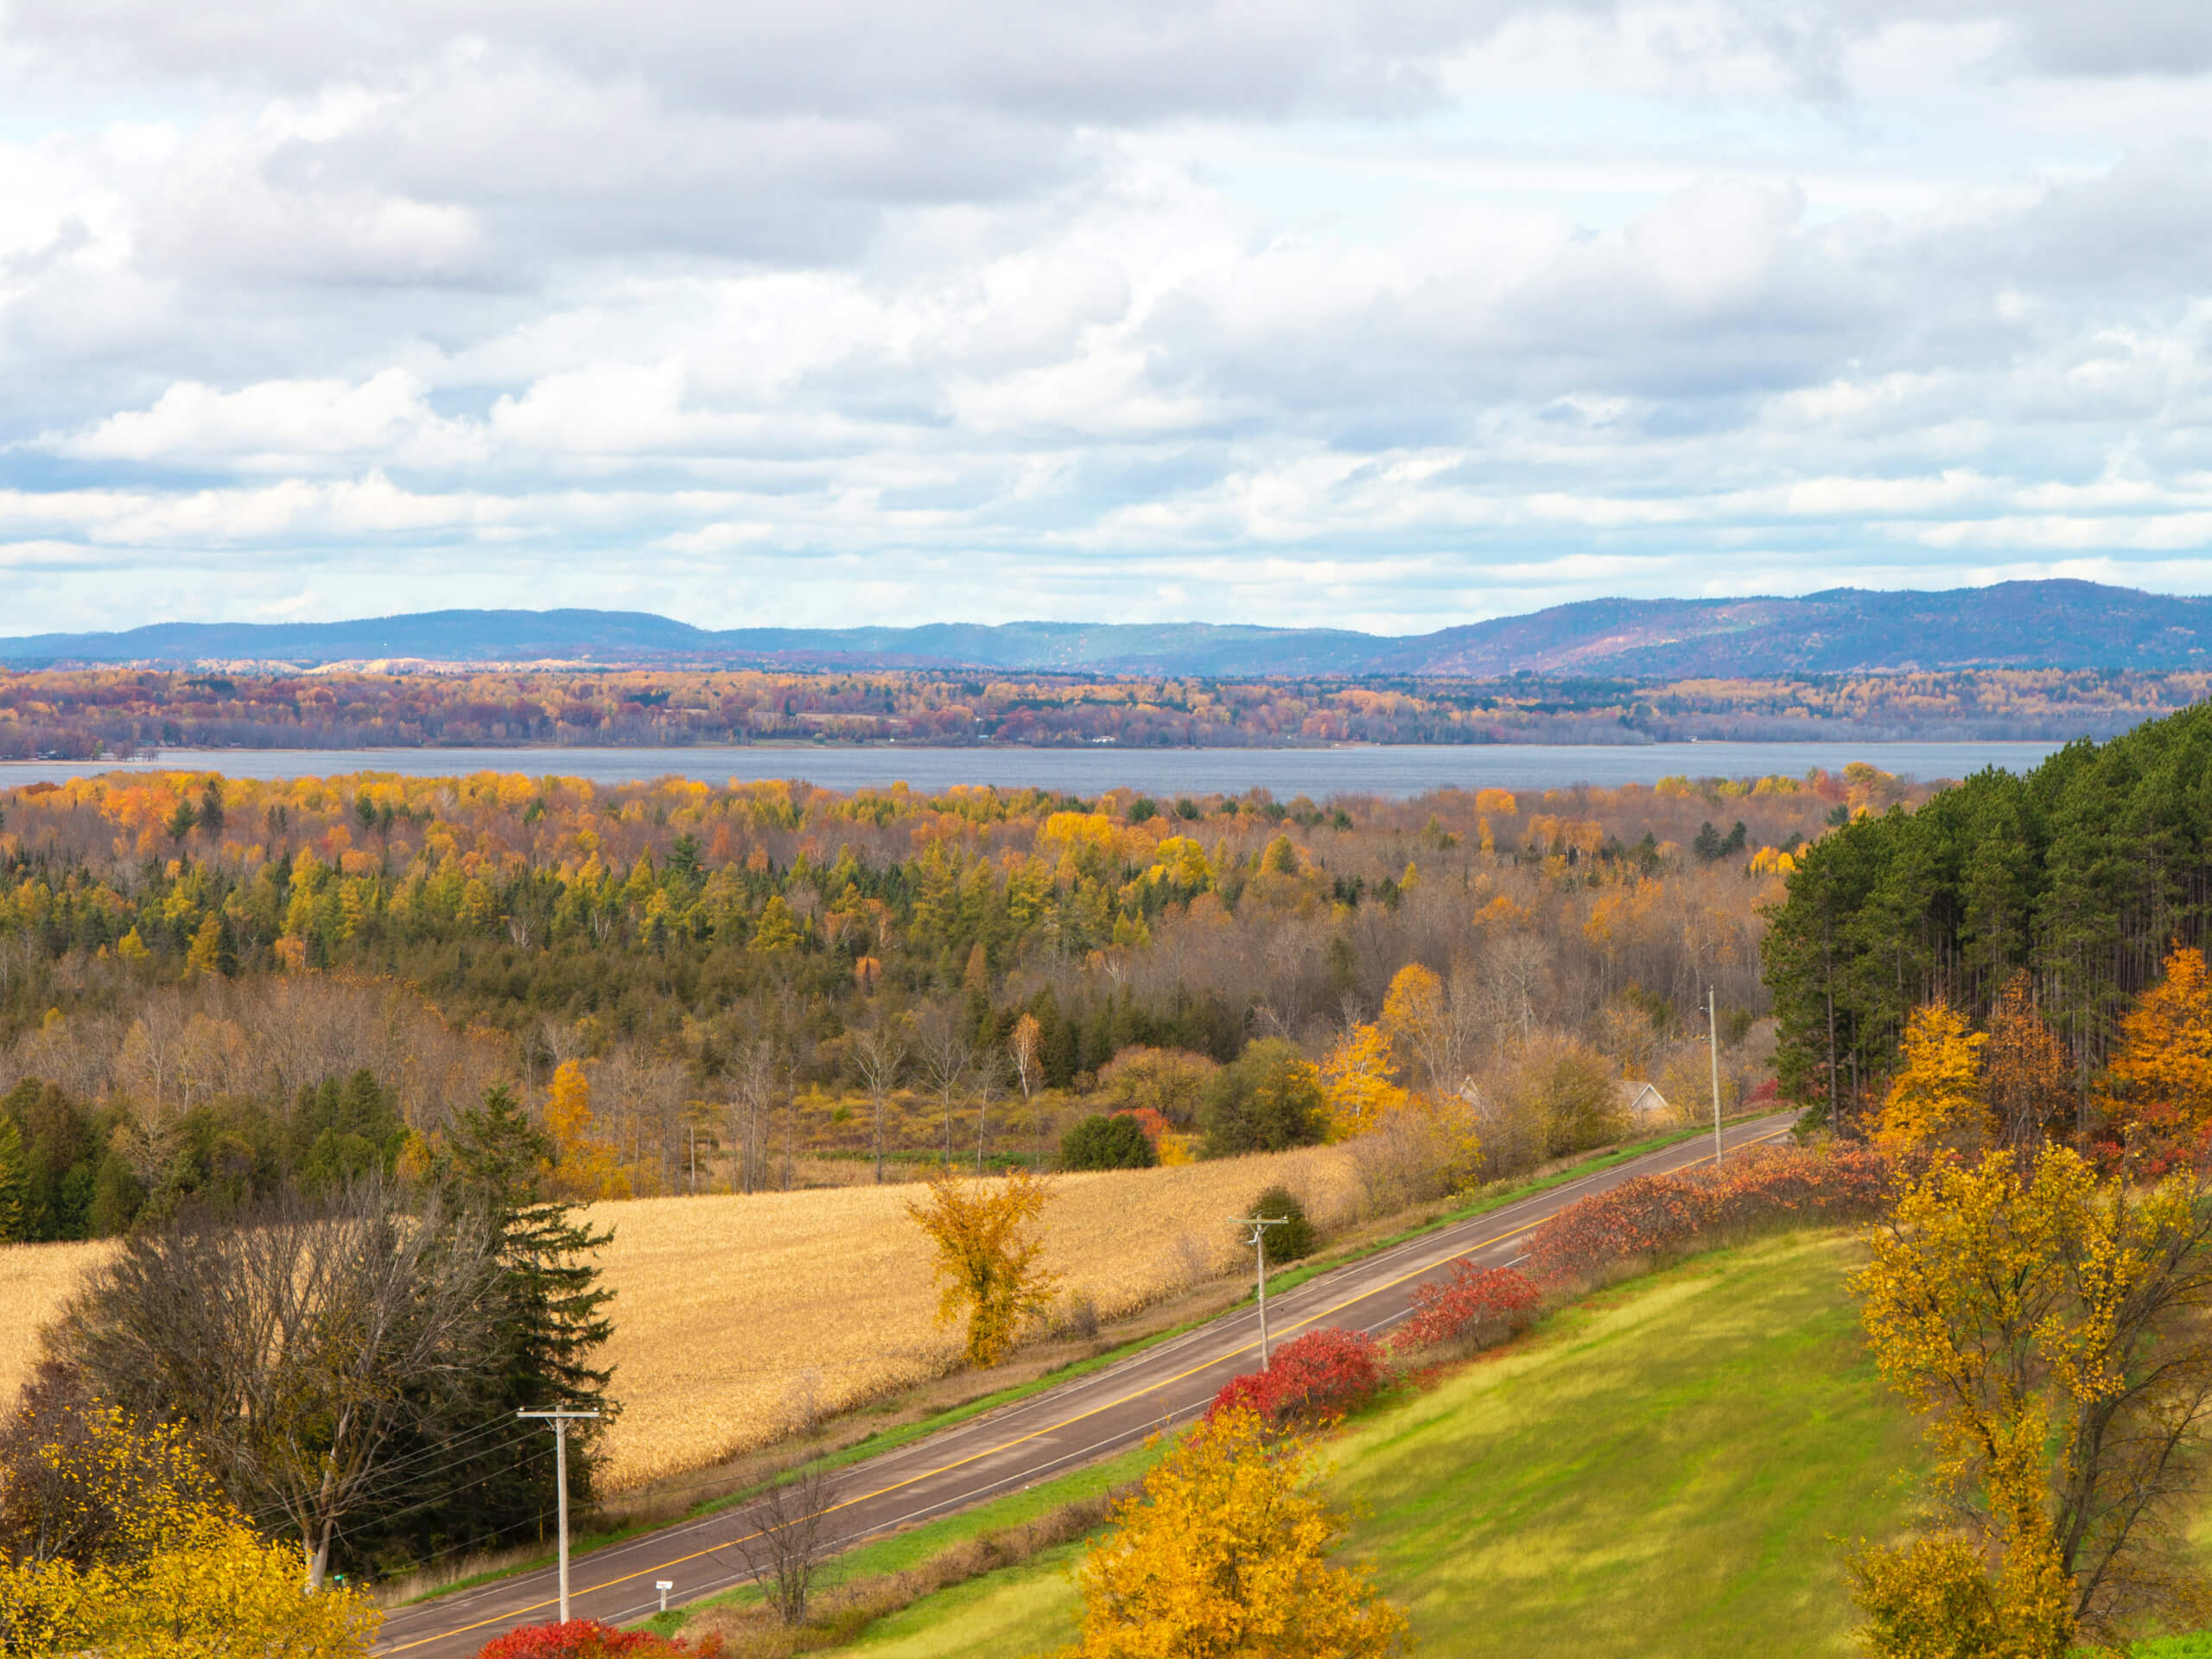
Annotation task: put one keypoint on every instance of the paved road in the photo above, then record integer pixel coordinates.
(1062, 1428)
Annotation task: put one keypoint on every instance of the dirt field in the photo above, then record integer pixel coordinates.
(733, 1316)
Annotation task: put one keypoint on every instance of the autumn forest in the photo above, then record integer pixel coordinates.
(80, 714)
(753, 975)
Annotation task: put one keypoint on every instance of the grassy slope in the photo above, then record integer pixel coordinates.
(1665, 1469)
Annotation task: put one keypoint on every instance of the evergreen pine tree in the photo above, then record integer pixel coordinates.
(496, 1484)
(15, 1181)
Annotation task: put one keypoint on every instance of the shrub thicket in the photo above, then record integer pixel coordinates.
(1664, 1215)
(1315, 1377)
(1267, 1100)
(586, 1638)
(1474, 1301)
(1295, 1240)
(1103, 1142)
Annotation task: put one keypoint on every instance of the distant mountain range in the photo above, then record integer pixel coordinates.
(2071, 625)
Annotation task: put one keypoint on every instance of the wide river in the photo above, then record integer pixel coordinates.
(1399, 770)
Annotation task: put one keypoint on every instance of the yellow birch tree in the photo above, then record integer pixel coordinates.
(2050, 1331)
(988, 1257)
(1224, 1554)
(1357, 1082)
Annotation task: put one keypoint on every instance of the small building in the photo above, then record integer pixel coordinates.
(1643, 1102)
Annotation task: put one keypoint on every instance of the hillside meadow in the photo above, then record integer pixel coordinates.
(1666, 1468)
(736, 1317)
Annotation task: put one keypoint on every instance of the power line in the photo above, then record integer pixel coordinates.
(442, 1449)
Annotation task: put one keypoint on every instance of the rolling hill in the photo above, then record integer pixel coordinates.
(2057, 624)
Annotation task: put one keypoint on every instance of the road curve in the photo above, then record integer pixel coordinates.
(1059, 1428)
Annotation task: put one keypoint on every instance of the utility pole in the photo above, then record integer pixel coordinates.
(1259, 1224)
(561, 1418)
(1712, 1035)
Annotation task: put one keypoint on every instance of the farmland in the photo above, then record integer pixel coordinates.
(735, 1315)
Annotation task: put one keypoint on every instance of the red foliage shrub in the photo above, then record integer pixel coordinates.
(1150, 1120)
(1472, 1298)
(586, 1638)
(1315, 1377)
(1655, 1214)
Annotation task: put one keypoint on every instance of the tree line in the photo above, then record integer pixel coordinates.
(2081, 873)
(83, 713)
(184, 957)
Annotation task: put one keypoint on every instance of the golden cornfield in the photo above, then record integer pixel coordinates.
(735, 1315)
(34, 1280)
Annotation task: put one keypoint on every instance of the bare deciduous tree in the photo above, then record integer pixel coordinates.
(1024, 1049)
(877, 1052)
(297, 1346)
(990, 1079)
(753, 1093)
(947, 1055)
(788, 1540)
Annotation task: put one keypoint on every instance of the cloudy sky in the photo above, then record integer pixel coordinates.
(1385, 315)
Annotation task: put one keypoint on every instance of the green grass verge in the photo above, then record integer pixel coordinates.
(1017, 1614)
(1670, 1467)
(914, 1546)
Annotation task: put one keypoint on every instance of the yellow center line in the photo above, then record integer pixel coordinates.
(997, 1448)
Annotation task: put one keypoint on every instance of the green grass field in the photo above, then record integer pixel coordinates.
(1667, 1468)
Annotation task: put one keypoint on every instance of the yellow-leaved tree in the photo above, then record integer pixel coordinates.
(2157, 1089)
(1936, 1098)
(1427, 1042)
(989, 1256)
(1224, 1554)
(151, 1565)
(586, 1167)
(2051, 1329)
(1357, 1082)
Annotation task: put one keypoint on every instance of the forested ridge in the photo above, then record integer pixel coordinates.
(196, 971)
(80, 714)
(2083, 873)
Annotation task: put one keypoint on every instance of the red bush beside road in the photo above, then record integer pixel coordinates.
(1313, 1378)
(586, 1638)
(1659, 1214)
(1472, 1298)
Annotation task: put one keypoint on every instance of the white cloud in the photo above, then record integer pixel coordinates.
(1403, 310)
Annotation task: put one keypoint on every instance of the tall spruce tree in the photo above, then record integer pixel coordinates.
(493, 1484)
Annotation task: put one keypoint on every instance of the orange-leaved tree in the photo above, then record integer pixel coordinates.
(989, 1256)
(1936, 1098)
(1357, 1082)
(2050, 1328)
(2157, 1090)
(1224, 1554)
(2026, 1075)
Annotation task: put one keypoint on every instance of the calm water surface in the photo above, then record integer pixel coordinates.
(1351, 770)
